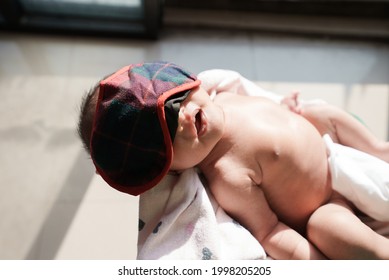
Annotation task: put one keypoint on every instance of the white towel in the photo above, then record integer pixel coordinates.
(361, 178)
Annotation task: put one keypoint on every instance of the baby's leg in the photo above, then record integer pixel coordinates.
(345, 129)
(353, 133)
(339, 234)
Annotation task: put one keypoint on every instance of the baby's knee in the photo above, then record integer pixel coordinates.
(324, 220)
(324, 229)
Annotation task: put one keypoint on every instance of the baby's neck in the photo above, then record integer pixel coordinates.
(221, 148)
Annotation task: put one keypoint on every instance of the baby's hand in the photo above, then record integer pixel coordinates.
(292, 102)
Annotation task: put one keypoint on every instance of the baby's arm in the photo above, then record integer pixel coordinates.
(279, 240)
(340, 125)
(285, 243)
(248, 205)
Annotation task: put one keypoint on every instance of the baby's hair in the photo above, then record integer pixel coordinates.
(87, 114)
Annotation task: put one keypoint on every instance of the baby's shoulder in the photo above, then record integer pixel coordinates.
(225, 96)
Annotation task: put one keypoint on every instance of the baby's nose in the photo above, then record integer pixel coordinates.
(186, 112)
(184, 117)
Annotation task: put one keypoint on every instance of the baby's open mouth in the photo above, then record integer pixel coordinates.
(200, 123)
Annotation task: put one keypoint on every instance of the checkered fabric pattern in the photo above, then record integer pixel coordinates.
(131, 146)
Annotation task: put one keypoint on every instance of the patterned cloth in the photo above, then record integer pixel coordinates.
(131, 143)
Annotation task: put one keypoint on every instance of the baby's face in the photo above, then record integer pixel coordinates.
(200, 127)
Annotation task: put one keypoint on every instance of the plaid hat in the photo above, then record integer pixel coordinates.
(135, 123)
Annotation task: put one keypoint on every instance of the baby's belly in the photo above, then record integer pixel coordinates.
(295, 202)
(296, 188)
